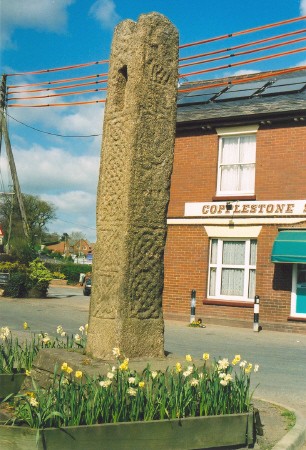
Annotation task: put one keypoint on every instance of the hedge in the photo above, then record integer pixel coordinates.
(70, 270)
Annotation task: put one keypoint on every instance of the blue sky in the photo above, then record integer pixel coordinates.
(42, 34)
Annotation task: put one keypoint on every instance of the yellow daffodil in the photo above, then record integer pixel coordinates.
(78, 374)
(206, 356)
(64, 367)
(141, 384)
(69, 369)
(248, 368)
(29, 394)
(25, 325)
(28, 373)
(188, 358)
(178, 367)
(124, 365)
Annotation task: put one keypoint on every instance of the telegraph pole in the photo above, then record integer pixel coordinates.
(2, 104)
(4, 132)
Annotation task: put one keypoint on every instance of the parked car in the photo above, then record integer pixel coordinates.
(87, 287)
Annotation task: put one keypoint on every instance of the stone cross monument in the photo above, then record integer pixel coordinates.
(133, 191)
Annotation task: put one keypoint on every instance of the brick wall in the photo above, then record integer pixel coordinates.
(280, 175)
(280, 167)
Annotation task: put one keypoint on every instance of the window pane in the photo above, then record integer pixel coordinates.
(253, 253)
(247, 149)
(229, 178)
(252, 283)
(233, 252)
(212, 282)
(214, 251)
(247, 178)
(232, 282)
(230, 150)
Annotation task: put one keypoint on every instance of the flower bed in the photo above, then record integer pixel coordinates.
(189, 433)
(185, 406)
(16, 358)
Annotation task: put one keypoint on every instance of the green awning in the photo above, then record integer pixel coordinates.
(289, 247)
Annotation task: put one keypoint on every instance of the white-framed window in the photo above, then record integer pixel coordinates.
(232, 269)
(236, 161)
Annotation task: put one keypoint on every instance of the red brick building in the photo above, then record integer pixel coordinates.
(237, 212)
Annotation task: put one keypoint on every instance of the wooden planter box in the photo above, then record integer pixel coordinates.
(190, 433)
(10, 383)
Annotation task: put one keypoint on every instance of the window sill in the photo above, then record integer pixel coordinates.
(233, 303)
(224, 198)
(296, 319)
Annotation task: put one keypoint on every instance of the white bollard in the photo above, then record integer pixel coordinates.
(256, 313)
(193, 305)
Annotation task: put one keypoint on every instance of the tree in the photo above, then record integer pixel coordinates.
(39, 213)
(75, 239)
(76, 236)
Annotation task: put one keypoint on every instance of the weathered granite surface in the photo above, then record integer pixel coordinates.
(133, 191)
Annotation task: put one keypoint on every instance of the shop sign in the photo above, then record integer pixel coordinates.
(279, 208)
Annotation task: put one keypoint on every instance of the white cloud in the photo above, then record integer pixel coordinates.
(244, 72)
(301, 63)
(49, 15)
(105, 12)
(303, 7)
(76, 211)
(55, 170)
(67, 181)
(83, 120)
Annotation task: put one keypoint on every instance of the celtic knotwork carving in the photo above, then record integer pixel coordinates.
(110, 247)
(114, 161)
(104, 300)
(146, 273)
(159, 74)
(153, 145)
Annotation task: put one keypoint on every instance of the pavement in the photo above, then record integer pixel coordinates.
(281, 357)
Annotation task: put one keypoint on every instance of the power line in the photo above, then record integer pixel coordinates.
(77, 225)
(45, 105)
(56, 69)
(54, 134)
(239, 33)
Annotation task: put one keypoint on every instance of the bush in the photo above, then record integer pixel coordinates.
(23, 252)
(39, 279)
(71, 271)
(17, 285)
(27, 281)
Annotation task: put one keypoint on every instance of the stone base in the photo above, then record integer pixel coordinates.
(47, 359)
(134, 337)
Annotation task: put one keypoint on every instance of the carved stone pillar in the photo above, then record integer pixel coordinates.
(133, 191)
